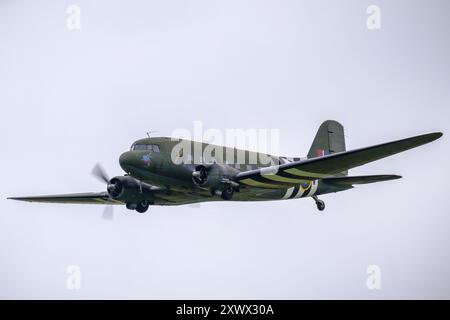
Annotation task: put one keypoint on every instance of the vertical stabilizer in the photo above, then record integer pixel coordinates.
(329, 139)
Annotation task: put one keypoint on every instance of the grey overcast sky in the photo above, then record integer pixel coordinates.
(72, 98)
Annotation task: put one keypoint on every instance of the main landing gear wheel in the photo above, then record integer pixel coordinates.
(319, 203)
(142, 207)
(139, 207)
(227, 194)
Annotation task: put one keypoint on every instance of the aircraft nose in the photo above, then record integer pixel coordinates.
(126, 160)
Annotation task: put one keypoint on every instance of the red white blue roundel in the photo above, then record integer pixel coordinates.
(321, 152)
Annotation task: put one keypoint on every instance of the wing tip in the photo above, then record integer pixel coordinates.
(434, 135)
(17, 198)
(419, 140)
(425, 138)
(390, 177)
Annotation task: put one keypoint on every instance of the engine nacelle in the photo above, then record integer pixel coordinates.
(129, 189)
(216, 178)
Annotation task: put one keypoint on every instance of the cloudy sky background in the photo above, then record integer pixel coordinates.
(70, 99)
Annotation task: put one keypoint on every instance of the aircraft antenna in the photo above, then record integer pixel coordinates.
(150, 132)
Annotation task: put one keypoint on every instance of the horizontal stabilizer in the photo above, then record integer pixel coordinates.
(349, 181)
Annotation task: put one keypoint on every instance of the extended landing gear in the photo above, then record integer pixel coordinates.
(139, 207)
(142, 207)
(319, 203)
(226, 194)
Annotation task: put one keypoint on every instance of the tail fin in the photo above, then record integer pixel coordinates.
(329, 139)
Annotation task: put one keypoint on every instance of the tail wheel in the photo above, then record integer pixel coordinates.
(320, 205)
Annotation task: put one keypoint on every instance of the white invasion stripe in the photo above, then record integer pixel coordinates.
(314, 186)
(288, 193)
(300, 192)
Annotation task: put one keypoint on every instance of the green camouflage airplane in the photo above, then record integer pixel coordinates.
(162, 171)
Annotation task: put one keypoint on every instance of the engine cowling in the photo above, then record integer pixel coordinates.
(129, 189)
(216, 177)
(200, 175)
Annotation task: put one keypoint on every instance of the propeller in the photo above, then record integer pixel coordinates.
(108, 213)
(100, 174)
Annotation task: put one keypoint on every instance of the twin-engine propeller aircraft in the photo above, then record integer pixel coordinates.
(154, 178)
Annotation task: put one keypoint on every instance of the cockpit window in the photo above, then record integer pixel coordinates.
(150, 147)
(140, 147)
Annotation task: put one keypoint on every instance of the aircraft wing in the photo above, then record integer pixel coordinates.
(349, 181)
(77, 198)
(298, 172)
